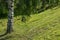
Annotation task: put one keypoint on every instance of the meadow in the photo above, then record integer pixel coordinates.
(42, 26)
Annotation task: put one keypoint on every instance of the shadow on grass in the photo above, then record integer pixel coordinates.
(4, 37)
(3, 34)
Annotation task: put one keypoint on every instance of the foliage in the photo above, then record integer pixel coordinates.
(27, 7)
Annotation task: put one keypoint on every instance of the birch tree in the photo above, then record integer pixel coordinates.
(10, 16)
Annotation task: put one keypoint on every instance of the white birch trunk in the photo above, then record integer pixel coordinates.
(10, 16)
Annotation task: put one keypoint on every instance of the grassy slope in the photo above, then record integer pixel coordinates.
(43, 26)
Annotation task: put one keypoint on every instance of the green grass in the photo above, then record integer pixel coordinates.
(42, 26)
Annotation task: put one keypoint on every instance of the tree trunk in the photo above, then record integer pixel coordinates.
(10, 16)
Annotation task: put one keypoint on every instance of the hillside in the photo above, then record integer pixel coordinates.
(42, 26)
